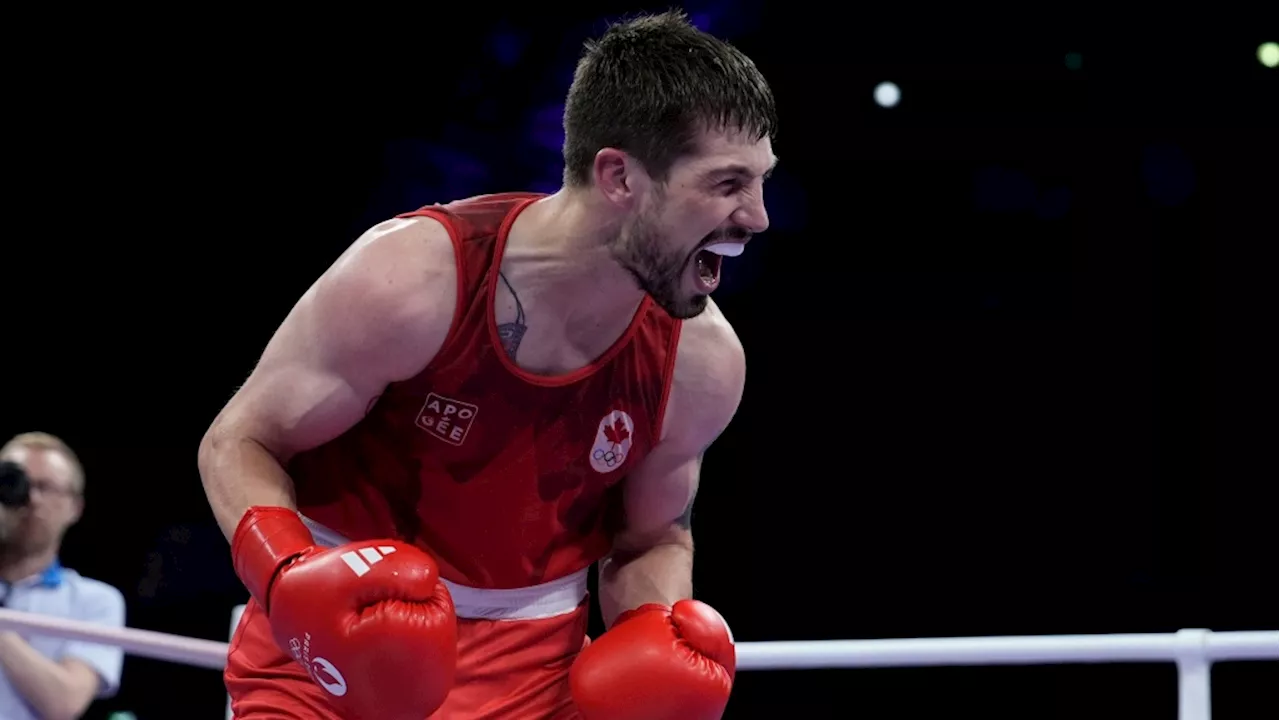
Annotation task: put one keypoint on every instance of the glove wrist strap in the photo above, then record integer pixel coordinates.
(266, 539)
(647, 607)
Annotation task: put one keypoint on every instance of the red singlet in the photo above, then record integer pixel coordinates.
(503, 475)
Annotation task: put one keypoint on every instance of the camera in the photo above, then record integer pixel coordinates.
(15, 486)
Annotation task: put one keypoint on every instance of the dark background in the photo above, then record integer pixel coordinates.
(1010, 367)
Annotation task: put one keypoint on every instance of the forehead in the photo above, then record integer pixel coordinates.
(729, 152)
(42, 463)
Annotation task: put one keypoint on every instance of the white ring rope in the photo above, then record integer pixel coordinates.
(1034, 650)
(143, 643)
(1185, 645)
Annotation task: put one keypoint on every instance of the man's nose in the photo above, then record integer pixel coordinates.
(753, 216)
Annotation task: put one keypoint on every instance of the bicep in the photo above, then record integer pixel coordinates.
(658, 496)
(378, 315)
(707, 386)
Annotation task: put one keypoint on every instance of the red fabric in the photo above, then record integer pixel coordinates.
(507, 478)
(510, 669)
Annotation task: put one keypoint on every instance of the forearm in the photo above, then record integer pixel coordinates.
(661, 573)
(47, 686)
(239, 473)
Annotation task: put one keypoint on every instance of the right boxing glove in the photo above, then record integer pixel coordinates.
(370, 621)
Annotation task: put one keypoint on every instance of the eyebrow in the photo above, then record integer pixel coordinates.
(738, 169)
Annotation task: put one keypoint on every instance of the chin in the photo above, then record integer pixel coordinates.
(684, 308)
(666, 281)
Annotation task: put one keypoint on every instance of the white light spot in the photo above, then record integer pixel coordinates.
(1269, 54)
(887, 94)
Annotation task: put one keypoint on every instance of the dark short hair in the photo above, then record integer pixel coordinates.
(650, 85)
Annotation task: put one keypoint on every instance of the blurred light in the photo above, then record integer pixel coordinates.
(1074, 61)
(547, 186)
(546, 128)
(725, 18)
(1269, 54)
(507, 46)
(887, 94)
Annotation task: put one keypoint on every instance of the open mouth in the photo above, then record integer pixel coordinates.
(709, 259)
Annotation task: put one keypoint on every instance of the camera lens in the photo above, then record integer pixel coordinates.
(15, 486)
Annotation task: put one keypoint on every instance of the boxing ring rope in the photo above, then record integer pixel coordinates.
(1192, 650)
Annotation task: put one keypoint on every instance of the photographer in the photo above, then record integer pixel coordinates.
(41, 496)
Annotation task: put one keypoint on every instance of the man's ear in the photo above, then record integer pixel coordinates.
(77, 510)
(618, 176)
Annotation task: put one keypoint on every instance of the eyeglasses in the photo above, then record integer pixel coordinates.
(47, 487)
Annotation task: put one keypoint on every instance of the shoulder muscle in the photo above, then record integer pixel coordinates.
(386, 304)
(707, 381)
(378, 315)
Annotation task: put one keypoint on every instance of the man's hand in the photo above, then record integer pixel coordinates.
(370, 622)
(657, 663)
(666, 656)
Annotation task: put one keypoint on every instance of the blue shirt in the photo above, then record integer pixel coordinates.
(63, 592)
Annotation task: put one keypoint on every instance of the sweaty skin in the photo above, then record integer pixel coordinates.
(378, 315)
(383, 310)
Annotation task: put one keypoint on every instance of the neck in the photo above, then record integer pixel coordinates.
(15, 567)
(561, 249)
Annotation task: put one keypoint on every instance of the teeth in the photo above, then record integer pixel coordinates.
(729, 249)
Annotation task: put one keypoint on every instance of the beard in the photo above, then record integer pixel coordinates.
(640, 250)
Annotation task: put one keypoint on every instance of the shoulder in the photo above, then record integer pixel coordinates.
(94, 599)
(395, 285)
(394, 256)
(710, 359)
(707, 381)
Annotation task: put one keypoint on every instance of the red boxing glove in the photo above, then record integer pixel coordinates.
(370, 621)
(657, 663)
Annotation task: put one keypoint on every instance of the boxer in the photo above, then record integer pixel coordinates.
(481, 400)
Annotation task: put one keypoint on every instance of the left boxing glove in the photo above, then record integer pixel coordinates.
(657, 663)
(370, 621)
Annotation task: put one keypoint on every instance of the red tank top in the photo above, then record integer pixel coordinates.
(508, 478)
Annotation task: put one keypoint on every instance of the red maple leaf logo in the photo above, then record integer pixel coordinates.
(617, 432)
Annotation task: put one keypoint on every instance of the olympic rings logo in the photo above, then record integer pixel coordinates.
(613, 442)
(610, 458)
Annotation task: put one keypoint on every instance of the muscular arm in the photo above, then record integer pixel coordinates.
(652, 557)
(378, 315)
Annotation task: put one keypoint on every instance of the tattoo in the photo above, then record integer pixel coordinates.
(513, 332)
(686, 518)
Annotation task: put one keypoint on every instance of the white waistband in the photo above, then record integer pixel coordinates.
(539, 601)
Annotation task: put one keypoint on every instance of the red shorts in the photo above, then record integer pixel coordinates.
(507, 669)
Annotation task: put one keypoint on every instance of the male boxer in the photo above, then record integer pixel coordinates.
(480, 400)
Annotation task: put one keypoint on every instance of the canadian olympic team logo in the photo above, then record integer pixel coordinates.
(613, 442)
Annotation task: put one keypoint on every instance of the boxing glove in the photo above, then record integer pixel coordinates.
(370, 621)
(657, 663)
